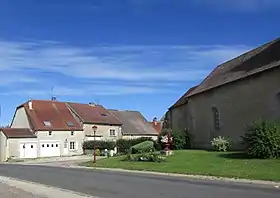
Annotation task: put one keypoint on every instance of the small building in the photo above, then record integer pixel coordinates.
(234, 95)
(134, 124)
(89, 115)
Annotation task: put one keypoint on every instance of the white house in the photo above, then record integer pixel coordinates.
(48, 129)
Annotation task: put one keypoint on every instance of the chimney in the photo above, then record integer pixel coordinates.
(30, 105)
(91, 104)
(155, 120)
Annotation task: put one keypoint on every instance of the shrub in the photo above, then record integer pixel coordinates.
(97, 152)
(124, 145)
(99, 144)
(263, 139)
(145, 157)
(178, 140)
(143, 147)
(220, 144)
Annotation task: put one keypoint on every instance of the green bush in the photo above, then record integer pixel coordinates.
(144, 157)
(123, 145)
(263, 139)
(99, 144)
(97, 152)
(220, 144)
(143, 147)
(178, 140)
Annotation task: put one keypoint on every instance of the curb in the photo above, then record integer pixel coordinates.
(188, 176)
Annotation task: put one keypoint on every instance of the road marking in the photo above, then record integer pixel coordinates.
(43, 190)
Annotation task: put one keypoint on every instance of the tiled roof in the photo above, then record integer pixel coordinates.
(95, 114)
(258, 60)
(18, 133)
(183, 98)
(134, 123)
(157, 126)
(51, 115)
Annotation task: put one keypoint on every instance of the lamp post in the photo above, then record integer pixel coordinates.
(94, 128)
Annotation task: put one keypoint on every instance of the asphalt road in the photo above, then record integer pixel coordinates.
(107, 184)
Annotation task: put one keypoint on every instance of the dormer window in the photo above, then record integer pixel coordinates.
(70, 124)
(50, 133)
(103, 114)
(47, 123)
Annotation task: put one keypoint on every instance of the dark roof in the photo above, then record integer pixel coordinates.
(183, 98)
(95, 114)
(258, 60)
(18, 133)
(134, 123)
(57, 113)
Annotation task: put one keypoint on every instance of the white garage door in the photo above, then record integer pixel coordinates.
(49, 149)
(28, 150)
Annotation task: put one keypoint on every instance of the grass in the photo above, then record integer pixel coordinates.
(229, 164)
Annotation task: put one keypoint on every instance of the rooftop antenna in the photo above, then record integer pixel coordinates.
(51, 93)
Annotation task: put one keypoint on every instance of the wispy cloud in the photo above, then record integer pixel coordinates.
(113, 69)
(240, 5)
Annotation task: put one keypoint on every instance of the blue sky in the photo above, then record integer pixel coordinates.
(125, 54)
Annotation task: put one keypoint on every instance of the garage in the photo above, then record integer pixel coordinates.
(28, 150)
(49, 149)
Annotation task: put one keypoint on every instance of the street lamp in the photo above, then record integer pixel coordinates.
(94, 128)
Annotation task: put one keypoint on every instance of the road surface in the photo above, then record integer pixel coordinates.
(108, 184)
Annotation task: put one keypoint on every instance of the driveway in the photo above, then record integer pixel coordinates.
(108, 184)
(56, 161)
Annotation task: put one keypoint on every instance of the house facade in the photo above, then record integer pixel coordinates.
(48, 128)
(89, 115)
(234, 95)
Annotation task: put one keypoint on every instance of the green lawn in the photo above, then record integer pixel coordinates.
(228, 164)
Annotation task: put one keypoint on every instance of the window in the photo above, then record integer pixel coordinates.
(43, 145)
(56, 145)
(103, 114)
(72, 132)
(31, 146)
(112, 132)
(47, 145)
(72, 145)
(50, 133)
(52, 145)
(70, 124)
(216, 117)
(47, 123)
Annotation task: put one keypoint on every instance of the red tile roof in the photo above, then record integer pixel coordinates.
(94, 114)
(18, 133)
(183, 98)
(56, 112)
(157, 126)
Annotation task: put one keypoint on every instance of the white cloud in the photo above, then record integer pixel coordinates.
(121, 69)
(240, 5)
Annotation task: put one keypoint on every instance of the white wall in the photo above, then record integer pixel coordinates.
(61, 137)
(20, 119)
(102, 130)
(3, 147)
(14, 146)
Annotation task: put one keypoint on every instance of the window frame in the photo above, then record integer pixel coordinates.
(72, 143)
(114, 135)
(216, 118)
(50, 133)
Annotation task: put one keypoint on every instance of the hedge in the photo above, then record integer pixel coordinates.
(123, 145)
(99, 144)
